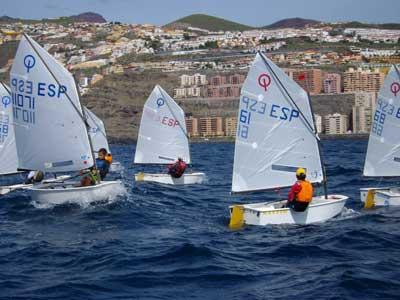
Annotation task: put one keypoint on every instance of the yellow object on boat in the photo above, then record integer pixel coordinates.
(370, 201)
(140, 176)
(237, 217)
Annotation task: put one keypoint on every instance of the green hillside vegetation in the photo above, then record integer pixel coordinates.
(209, 23)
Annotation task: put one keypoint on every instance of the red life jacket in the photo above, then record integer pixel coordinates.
(177, 169)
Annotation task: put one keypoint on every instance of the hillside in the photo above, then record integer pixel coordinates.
(292, 23)
(207, 22)
(90, 17)
(366, 25)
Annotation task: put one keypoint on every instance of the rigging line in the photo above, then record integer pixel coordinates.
(5, 87)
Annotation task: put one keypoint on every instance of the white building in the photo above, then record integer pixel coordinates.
(364, 105)
(336, 124)
(318, 123)
(193, 80)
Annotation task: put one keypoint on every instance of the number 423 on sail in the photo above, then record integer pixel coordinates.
(270, 110)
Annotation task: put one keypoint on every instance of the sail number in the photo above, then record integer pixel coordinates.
(24, 94)
(253, 106)
(4, 126)
(383, 109)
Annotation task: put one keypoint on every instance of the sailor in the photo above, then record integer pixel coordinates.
(34, 177)
(177, 169)
(103, 163)
(301, 193)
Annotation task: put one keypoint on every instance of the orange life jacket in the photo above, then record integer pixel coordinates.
(306, 193)
(109, 158)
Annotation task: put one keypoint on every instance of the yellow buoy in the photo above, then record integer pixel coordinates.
(140, 176)
(370, 201)
(237, 219)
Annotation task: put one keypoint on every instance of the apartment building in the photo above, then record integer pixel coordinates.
(336, 124)
(332, 83)
(230, 126)
(362, 80)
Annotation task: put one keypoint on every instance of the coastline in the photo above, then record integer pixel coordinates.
(224, 139)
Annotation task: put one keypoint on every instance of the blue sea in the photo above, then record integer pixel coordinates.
(170, 242)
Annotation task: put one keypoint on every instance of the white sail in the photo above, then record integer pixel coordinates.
(383, 153)
(8, 148)
(97, 131)
(274, 137)
(162, 134)
(49, 130)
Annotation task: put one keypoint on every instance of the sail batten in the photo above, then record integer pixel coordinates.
(49, 128)
(162, 134)
(276, 131)
(383, 152)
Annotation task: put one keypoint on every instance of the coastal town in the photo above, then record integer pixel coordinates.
(341, 67)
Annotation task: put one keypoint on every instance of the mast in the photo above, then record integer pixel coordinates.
(312, 128)
(87, 129)
(325, 181)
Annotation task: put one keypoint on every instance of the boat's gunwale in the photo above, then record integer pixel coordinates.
(167, 175)
(269, 205)
(75, 188)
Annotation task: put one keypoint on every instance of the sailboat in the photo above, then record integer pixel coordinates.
(163, 139)
(97, 132)
(51, 130)
(383, 152)
(276, 135)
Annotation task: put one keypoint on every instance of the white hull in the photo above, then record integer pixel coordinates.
(319, 210)
(386, 196)
(23, 186)
(71, 193)
(188, 178)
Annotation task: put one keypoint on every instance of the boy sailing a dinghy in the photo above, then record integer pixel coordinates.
(301, 193)
(103, 166)
(177, 169)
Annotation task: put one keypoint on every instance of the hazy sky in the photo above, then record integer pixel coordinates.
(251, 12)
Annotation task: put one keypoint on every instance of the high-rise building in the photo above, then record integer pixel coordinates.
(308, 79)
(192, 126)
(362, 119)
(336, 124)
(332, 83)
(366, 99)
(230, 126)
(318, 123)
(362, 80)
(364, 105)
(211, 126)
